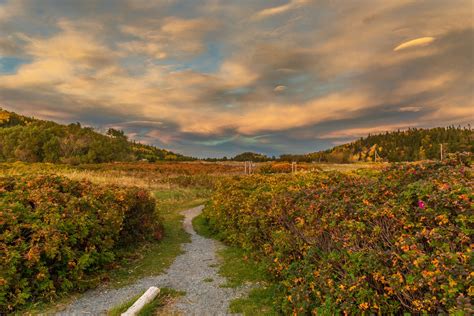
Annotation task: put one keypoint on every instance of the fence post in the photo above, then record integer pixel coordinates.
(294, 167)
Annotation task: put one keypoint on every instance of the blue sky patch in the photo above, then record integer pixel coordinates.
(9, 65)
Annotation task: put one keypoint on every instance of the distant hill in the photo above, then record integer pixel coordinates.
(32, 140)
(250, 156)
(245, 156)
(409, 145)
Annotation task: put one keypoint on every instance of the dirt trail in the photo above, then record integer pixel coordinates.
(190, 272)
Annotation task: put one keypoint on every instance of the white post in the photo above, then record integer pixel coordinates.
(441, 145)
(145, 299)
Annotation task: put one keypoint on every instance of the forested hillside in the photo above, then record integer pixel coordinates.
(31, 140)
(410, 145)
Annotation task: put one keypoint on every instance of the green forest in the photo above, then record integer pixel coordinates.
(410, 145)
(32, 140)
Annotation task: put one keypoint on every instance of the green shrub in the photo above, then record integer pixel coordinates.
(393, 242)
(57, 235)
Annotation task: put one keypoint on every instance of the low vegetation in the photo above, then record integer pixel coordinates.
(385, 242)
(57, 235)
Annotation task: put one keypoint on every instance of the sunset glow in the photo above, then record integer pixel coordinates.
(211, 78)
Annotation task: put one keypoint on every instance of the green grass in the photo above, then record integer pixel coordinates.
(202, 228)
(239, 269)
(258, 302)
(152, 308)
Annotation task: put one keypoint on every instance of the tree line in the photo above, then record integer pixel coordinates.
(409, 145)
(31, 140)
(413, 144)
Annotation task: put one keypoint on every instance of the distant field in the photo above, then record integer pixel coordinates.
(168, 174)
(146, 175)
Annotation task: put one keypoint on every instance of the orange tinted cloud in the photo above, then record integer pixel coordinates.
(422, 41)
(291, 5)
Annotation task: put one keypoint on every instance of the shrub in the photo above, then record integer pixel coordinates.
(269, 168)
(396, 241)
(57, 235)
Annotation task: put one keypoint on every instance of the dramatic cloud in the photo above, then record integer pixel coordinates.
(213, 78)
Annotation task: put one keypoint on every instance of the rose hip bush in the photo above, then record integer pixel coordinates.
(57, 234)
(397, 241)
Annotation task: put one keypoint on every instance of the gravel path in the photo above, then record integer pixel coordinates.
(187, 273)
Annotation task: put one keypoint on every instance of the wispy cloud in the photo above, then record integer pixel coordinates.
(291, 5)
(353, 133)
(422, 41)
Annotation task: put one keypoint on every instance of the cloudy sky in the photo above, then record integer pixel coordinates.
(218, 77)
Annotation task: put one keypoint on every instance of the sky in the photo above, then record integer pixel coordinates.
(210, 78)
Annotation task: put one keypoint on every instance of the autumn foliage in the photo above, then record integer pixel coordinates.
(397, 241)
(57, 235)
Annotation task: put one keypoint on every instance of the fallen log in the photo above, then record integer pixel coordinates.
(145, 299)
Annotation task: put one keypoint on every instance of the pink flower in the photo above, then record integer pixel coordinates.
(421, 204)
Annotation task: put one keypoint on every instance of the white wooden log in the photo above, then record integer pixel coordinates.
(146, 298)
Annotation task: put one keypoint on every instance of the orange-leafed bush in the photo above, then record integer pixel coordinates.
(397, 241)
(57, 234)
(281, 167)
